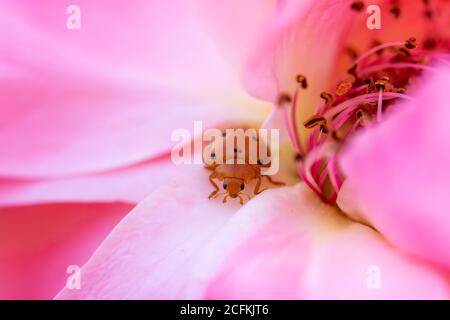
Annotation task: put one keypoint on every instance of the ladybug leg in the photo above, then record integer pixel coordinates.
(210, 166)
(277, 183)
(216, 188)
(257, 186)
(241, 200)
(244, 194)
(225, 199)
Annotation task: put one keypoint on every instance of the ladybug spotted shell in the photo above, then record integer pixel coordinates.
(252, 149)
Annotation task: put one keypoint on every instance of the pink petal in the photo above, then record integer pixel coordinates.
(130, 185)
(286, 244)
(398, 173)
(38, 243)
(137, 41)
(79, 105)
(237, 40)
(261, 253)
(153, 251)
(291, 45)
(282, 244)
(150, 254)
(80, 137)
(279, 40)
(344, 267)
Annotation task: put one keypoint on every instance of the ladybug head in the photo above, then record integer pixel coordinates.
(233, 186)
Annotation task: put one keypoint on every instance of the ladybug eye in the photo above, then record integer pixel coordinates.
(260, 162)
(242, 186)
(213, 155)
(225, 185)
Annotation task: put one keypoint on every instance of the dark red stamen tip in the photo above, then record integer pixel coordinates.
(284, 98)
(357, 6)
(302, 80)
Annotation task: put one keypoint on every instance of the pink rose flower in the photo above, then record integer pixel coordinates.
(86, 176)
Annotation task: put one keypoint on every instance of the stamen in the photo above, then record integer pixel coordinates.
(380, 105)
(410, 42)
(404, 51)
(291, 114)
(323, 129)
(334, 174)
(353, 127)
(355, 102)
(295, 131)
(369, 89)
(321, 152)
(313, 157)
(324, 175)
(403, 65)
(284, 100)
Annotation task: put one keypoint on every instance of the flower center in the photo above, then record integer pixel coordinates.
(376, 81)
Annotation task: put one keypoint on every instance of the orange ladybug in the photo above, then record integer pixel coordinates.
(239, 166)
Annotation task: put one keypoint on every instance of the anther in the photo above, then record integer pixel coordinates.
(298, 157)
(352, 53)
(314, 120)
(327, 97)
(302, 80)
(380, 84)
(368, 81)
(411, 43)
(357, 6)
(395, 11)
(352, 69)
(344, 86)
(284, 98)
